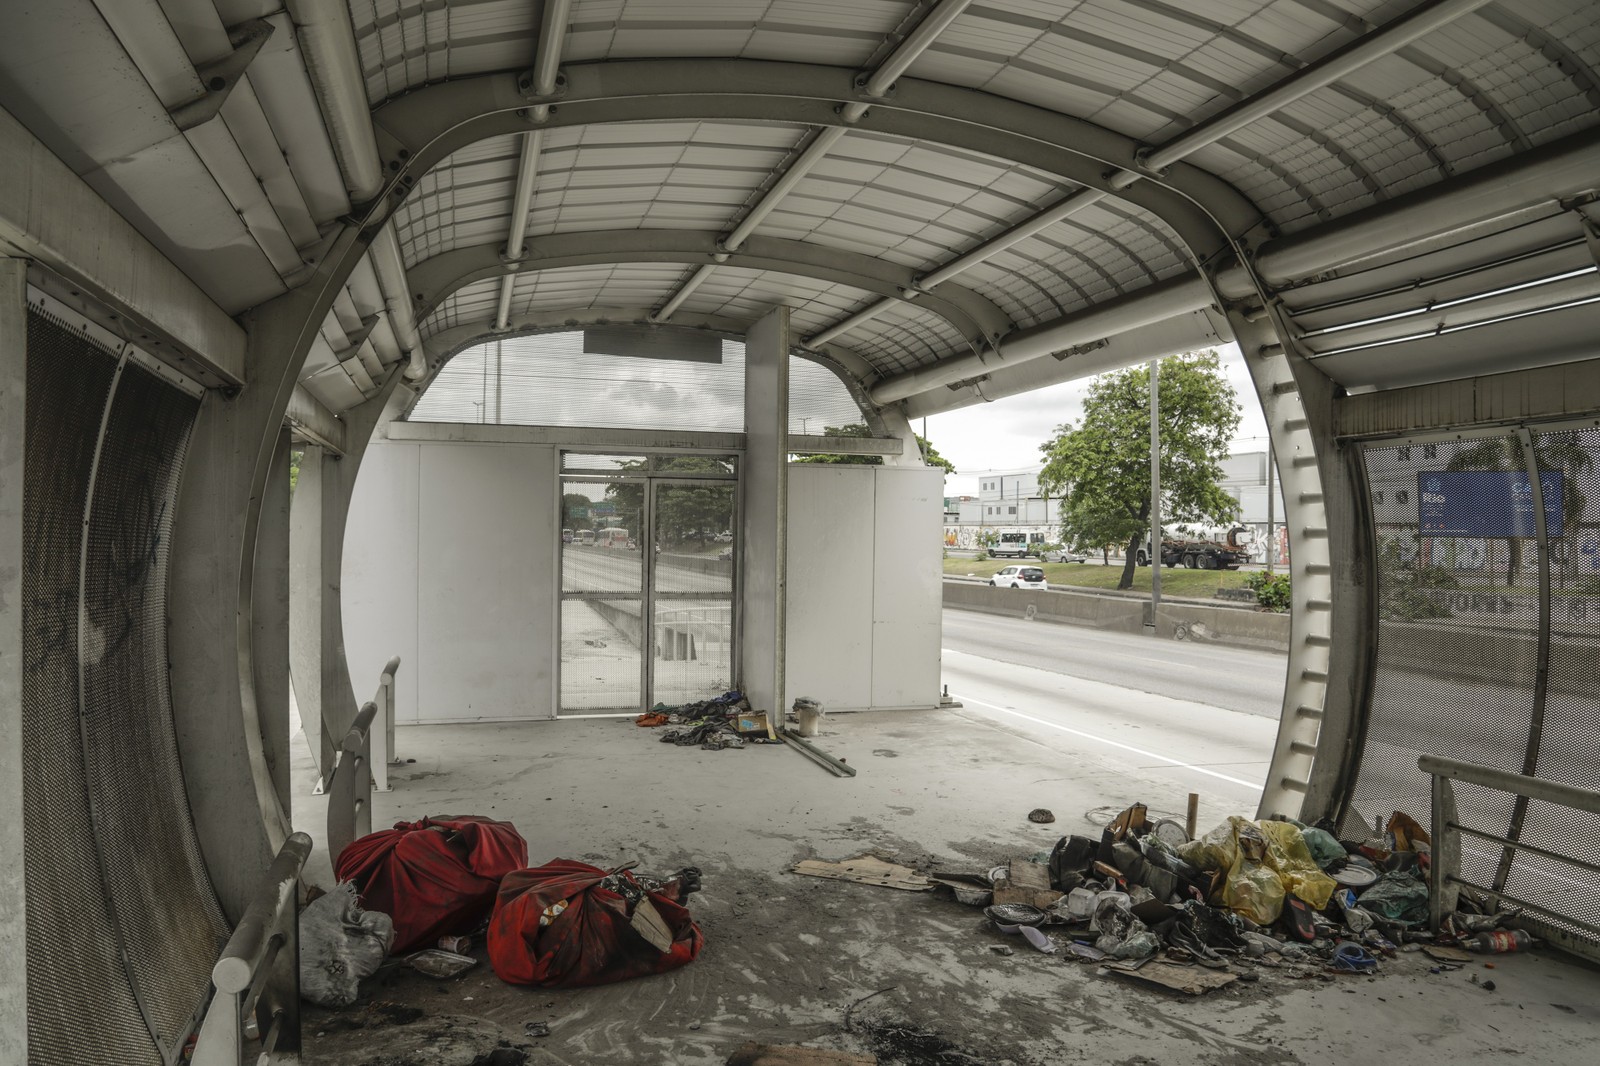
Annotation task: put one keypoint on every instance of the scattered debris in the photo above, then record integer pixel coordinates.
(439, 964)
(1041, 815)
(537, 1029)
(866, 870)
(837, 767)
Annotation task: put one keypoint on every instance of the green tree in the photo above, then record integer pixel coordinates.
(1100, 467)
(575, 511)
(930, 454)
(690, 511)
(1552, 451)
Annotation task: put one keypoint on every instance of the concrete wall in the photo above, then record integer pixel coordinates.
(864, 585)
(451, 561)
(1197, 622)
(473, 622)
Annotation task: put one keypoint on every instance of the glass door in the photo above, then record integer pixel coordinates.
(603, 621)
(648, 551)
(695, 524)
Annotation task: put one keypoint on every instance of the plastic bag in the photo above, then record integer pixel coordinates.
(1288, 854)
(1254, 890)
(1399, 896)
(339, 945)
(1140, 943)
(1323, 845)
(1217, 850)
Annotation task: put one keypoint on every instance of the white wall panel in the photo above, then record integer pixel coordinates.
(907, 586)
(380, 573)
(831, 535)
(483, 603)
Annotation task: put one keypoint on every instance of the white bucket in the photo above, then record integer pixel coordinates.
(809, 712)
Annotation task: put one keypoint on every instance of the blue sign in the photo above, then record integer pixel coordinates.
(1485, 503)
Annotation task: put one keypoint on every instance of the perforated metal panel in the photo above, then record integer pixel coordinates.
(1459, 640)
(170, 923)
(80, 1007)
(122, 924)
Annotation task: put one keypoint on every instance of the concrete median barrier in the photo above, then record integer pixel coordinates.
(1123, 613)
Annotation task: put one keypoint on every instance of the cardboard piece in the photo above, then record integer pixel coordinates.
(794, 1055)
(1027, 882)
(648, 923)
(754, 724)
(1193, 980)
(866, 870)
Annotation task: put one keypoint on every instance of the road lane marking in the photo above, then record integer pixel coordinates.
(1112, 743)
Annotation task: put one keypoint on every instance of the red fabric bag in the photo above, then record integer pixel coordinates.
(592, 941)
(436, 877)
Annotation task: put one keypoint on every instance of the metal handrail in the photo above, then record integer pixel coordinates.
(1447, 880)
(350, 786)
(383, 739)
(256, 980)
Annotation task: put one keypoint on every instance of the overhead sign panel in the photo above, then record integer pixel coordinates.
(1485, 503)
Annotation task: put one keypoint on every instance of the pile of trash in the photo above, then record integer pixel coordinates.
(1146, 901)
(421, 893)
(725, 721)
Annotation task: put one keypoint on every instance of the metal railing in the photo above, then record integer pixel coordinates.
(256, 981)
(351, 784)
(1561, 927)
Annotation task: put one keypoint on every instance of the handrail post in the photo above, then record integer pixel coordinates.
(1445, 872)
(383, 735)
(258, 971)
(350, 788)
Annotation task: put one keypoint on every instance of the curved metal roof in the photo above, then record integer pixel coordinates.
(905, 242)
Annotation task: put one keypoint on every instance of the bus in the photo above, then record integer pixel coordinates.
(612, 537)
(586, 537)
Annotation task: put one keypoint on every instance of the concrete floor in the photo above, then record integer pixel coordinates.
(786, 955)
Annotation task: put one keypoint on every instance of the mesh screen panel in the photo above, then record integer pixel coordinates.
(122, 924)
(1458, 658)
(81, 1008)
(161, 898)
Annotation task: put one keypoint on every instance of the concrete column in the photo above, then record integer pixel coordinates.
(13, 904)
(306, 552)
(271, 604)
(766, 498)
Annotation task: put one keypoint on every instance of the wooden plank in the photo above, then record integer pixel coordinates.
(866, 870)
(794, 1055)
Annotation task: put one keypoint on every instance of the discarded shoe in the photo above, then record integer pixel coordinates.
(1352, 958)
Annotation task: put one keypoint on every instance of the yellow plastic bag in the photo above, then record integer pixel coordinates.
(1254, 890)
(1217, 850)
(1288, 855)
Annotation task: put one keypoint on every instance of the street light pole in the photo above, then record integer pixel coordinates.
(1155, 492)
(1272, 510)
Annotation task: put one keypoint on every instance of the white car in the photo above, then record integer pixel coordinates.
(1020, 577)
(1064, 555)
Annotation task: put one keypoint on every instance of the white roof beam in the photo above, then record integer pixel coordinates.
(1340, 64)
(328, 43)
(876, 84)
(546, 67)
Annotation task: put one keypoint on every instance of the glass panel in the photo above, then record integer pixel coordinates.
(694, 649)
(694, 531)
(588, 462)
(600, 655)
(600, 532)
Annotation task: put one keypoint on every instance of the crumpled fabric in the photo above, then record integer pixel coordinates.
(340, 945)
(592, 939)
(436, 877)
(1399, 896)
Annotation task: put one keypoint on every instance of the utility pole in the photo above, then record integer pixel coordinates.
(1155, 492)
(1272, 510)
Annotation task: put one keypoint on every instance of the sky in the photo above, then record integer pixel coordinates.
(1006, 434)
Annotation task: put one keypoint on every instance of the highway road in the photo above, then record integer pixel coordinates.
(1238, 679)
(1132, 717)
